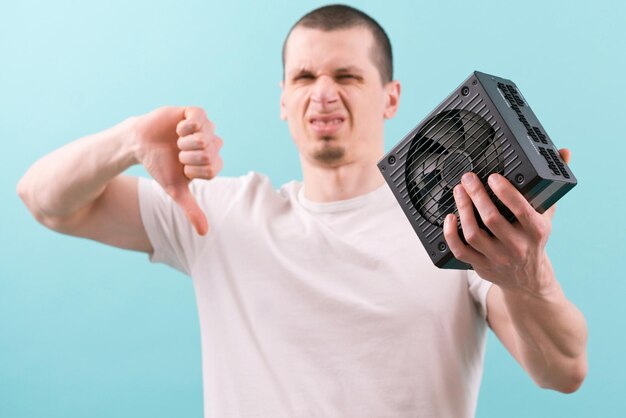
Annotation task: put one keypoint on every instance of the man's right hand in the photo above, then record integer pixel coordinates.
(176, 145)
(79, 189)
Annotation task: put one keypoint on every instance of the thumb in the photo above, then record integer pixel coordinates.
(183, 197)
(565, 154)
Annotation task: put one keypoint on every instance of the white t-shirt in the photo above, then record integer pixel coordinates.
(320, 309)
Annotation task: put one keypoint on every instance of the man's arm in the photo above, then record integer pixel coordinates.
(526, 307)
(79, 190)
(545, 333)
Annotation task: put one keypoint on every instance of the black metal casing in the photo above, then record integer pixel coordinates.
(485, 126)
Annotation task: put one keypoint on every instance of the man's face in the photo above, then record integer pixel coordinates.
(333, 98)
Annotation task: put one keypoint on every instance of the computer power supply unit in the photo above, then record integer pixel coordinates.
(485, 126)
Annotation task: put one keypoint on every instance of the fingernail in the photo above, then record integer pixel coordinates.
(468, 178)
(493, 179)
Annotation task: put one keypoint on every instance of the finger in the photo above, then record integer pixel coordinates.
(218, 142)
(197, 115)
(473, 233)
(460, 250)
(200, 157)
(194, 113)
(186, 127)
(206, 172)
(195, 141)
(183, 197)
(529, 219)
(489, 213)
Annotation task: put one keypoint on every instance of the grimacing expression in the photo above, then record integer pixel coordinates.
(333, 98)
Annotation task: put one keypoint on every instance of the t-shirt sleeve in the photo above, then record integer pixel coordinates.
(479, 288)
(174, 240)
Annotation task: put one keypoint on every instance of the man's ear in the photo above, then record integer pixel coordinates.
(283, 109)
(392, 99)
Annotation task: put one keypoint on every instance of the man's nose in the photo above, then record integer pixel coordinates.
(324, 91)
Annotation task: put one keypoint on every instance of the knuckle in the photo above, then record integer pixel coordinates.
(491, 218)
(517, 251)
(204, 158)
(208, 172)
(524, 215)
(460, 253)
(500, 260)
(210, 125)
(200, 141)
(539, 231)
(219, 164)
(180, 128)
(472, 236)
(462, 204)
(544, 229)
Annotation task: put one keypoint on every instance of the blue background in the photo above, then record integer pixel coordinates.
(87, 330)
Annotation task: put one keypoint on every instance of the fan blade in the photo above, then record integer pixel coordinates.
(447, 131)
(429, 207)
(426, 164)
(446, 203)
(476, 130)
(431, 163)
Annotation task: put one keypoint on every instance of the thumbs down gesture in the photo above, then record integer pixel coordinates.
(177, 145)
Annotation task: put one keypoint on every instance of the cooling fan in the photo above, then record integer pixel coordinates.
(485, 126)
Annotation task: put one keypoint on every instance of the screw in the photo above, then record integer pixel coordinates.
(474, 82)
(391, 160)
(519, 178)
(465, 91)
(382, 168)
(442, 246)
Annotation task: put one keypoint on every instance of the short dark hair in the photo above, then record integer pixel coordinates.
(339, 16)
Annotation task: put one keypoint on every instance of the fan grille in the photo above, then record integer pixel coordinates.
(447, 146)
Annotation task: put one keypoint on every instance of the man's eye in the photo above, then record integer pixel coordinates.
(347, 77)
(304, 77)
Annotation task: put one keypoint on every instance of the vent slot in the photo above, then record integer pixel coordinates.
(558, 162)
(448, 145)
(534, 132)
(541, 135)
(550, 160)
(537, 136)
(516, 95)
(511, 94)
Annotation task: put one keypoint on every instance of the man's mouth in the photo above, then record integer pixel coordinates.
(326, 125)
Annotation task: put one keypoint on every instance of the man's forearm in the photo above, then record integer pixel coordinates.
(551, 334)
(72, 177)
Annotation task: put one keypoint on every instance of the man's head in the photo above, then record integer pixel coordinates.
(337, 86)
(336, 17)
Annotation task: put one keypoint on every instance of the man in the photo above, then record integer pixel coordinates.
(317, 300)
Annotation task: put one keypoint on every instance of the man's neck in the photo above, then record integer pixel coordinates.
(324, 184)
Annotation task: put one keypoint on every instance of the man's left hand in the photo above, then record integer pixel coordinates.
(514, 257)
